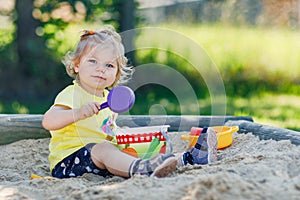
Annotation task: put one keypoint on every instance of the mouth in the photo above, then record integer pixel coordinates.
(99, 77)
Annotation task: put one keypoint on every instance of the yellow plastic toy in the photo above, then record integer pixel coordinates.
(34, 176)
(224, 136)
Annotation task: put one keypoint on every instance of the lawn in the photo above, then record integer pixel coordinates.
(260, 69)
(279, 110)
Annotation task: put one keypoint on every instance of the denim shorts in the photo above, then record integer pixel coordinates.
(77, 164)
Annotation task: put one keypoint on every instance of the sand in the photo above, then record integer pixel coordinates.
(249, 169)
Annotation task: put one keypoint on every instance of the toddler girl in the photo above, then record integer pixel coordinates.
(79, 143)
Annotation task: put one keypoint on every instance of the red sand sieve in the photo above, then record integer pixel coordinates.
(139, 138)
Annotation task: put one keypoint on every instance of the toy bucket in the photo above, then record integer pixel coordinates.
(143, 142)
(224, 136)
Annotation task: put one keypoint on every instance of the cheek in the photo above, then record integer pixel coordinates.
(114, 76)
(115, 72)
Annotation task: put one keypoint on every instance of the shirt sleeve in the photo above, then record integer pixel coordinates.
(65, 97)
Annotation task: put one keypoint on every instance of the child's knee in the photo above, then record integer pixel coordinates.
(104, 145)
(100, 150)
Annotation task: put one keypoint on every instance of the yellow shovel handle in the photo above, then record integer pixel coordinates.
(34, 176)
(188, 137)
(235, 128)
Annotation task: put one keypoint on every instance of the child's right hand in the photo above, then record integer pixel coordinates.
(87, 110)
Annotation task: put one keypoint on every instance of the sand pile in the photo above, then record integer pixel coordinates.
(249, 169)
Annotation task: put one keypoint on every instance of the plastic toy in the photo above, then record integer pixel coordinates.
(34, 176)
(120, 99)
(144, 142)
(131, 151)
(224, 135)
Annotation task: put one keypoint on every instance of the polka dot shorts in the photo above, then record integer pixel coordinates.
(77, 164)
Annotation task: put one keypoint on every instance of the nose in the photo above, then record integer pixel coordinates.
(101, 68)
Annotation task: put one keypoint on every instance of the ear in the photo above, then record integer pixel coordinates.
(76, 65)
(76, 68)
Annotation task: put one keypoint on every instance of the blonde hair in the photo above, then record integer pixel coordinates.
(88, 40)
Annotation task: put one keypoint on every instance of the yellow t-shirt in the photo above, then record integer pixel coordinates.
(94, 129)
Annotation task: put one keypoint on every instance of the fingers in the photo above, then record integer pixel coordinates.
(88, 110)
(91, 108)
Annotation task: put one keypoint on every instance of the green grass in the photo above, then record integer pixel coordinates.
(272, 109)
(271, 54)
(264, 59)
(260, 69)
(274, 50)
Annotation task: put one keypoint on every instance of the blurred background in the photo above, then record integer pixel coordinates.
(255, 45)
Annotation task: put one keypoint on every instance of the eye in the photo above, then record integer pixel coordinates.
(109, 66)
(93, 61)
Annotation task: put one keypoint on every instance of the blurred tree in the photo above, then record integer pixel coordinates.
(33, 62)
(56, 14)
(39, 23)
(26, 36)
(127, 22)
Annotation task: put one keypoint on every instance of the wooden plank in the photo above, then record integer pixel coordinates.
(28, 126)
(265, 132)
(177, 122)
(17, 127)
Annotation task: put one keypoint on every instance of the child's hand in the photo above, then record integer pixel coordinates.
(87, 110)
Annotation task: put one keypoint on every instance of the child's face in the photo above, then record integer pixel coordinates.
(97, 69)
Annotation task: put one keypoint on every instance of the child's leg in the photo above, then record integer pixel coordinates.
(205, 150)
(106, 156)
(158, 166)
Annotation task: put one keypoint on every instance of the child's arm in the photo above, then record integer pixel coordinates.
(58, 117)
